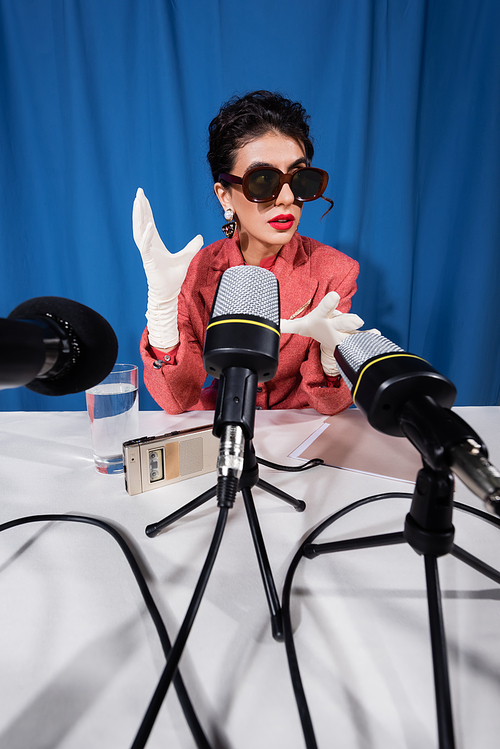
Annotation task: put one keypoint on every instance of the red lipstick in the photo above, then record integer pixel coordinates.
(283, 222)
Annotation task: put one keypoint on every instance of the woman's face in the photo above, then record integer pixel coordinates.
(264, 228)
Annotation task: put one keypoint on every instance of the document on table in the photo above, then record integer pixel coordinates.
(348, 441)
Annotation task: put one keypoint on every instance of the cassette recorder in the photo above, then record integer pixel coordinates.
(152, 462)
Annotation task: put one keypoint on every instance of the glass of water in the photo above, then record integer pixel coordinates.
(113, 408)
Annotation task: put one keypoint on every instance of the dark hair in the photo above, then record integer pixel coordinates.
(242, 119)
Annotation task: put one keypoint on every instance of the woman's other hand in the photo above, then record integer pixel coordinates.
(326, 325)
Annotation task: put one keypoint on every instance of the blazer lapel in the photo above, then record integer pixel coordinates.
(297, 287)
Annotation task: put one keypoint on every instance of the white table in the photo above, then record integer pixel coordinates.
(79, 657)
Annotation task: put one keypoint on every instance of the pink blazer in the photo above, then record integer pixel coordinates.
(306, 270)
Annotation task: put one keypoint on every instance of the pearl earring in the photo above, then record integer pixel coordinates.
(230, 227)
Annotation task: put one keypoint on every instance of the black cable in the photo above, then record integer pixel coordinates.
(178, 646)
(292, 469)
(293, 664)
(187, 707)
(170, 672)
(493, 519)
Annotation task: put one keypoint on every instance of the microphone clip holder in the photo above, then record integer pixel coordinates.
(235, 404)
(428, 525)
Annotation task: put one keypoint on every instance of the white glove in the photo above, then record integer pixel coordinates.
(165, 273)
(326, 325)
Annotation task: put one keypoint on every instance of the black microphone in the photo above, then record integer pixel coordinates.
(241, 349)
(55, 346)
(401, 394)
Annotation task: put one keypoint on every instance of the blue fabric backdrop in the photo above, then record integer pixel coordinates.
(99, 97)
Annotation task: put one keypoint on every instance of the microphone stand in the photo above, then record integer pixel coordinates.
(249, 478)
(429, 530)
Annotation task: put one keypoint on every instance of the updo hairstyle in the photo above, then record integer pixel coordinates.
(242, 119)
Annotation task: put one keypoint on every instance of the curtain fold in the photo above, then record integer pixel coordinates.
(97, 99)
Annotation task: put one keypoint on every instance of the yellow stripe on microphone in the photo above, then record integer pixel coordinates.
(399, 355)
(247, 322)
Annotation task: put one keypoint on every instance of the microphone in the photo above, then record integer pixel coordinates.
(55, 346)
(241, 349)
(401, 394)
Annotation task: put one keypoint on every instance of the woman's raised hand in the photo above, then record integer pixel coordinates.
(165, 272)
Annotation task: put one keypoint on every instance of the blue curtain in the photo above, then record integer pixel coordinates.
(99, 97)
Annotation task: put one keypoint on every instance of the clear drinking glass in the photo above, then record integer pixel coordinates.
(113, 408)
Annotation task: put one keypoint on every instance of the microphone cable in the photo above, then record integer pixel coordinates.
(291, 469)
(291, 653)
(293, 664)
(173, 660)
(187, 707)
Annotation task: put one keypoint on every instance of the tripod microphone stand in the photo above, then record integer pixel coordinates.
(428, 529)
(249, 478)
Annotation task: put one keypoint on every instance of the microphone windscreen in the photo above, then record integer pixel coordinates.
(244, 326)
(383, 377)
(96, 343)
(248, 290)
(358, 348)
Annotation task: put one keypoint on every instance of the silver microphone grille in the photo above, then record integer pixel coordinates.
(248, 290)
(358, 348)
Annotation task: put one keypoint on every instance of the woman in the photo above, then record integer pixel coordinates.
(260, 156)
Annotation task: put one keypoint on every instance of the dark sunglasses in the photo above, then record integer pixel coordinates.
(263, 183)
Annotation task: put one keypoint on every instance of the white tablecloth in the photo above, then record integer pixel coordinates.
(79, 657)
